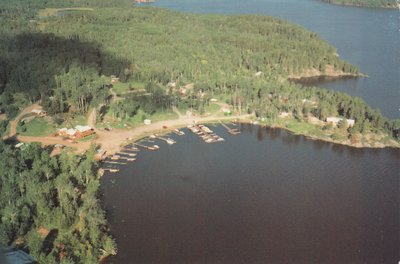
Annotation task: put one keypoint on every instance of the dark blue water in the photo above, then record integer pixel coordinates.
(265, 196)
(369, 38)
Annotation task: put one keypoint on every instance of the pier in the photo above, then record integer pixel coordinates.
(155, 147)
(168, 140)
(232, 131)
(102, 170)
(205, 133)
(178, 132)
(130, 154)
(114, 162)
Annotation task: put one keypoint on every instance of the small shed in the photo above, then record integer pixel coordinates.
(336, 120)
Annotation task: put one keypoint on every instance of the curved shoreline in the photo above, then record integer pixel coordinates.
(113, 141)
(360, 5)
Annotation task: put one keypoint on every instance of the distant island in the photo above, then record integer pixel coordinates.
(144, 1)
(366, 3)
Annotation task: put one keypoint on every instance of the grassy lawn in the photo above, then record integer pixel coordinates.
(53, 11)
(166, 115)
(212, 108)
(121, 88)
(304, 128)
(38, 127)
(137, 120)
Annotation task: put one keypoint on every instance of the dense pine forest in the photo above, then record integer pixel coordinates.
(49, 206)
(365, 3)
(63, 59)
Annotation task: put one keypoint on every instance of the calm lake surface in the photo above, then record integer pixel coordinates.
(267, 196)
(369, 38)
(264, 196)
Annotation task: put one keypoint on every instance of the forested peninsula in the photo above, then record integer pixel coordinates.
(121, 64)
(366, 3)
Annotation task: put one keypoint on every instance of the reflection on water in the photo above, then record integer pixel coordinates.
(264, 196)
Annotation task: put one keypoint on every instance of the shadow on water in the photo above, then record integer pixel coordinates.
(338, 149)
(290, 139)
(273, 133)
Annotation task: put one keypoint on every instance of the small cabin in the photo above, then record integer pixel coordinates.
(76, 133)
(83, 131)
(336, 121)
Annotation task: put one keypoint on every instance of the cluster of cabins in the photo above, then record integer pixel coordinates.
(76, 133)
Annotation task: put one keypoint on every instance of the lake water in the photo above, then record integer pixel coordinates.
(267, 196)
(264, 196)
(369, 38)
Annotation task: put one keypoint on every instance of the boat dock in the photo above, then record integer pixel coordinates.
(232, 131)
(205, 133)
(169, 141)
(130, 154)
(154, 147)
(114, 162)
(178, 132)
(110, 169)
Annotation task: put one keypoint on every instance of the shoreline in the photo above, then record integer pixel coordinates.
(242, 120)
(329, 73)
(113, 141)
(360, 5)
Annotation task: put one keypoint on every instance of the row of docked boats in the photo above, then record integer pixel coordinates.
(129, 152)
(205, 133)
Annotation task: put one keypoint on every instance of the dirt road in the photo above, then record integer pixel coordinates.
(111, 141)
(14, 123)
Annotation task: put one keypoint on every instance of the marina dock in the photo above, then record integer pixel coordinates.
(205, 133)
(114, 162)
(154, 147)
(232, 131)
(167, 140)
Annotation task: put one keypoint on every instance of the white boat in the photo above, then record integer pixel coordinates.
(170, 141)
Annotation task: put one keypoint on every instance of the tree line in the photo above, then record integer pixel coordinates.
(49, 205)
(365, 3)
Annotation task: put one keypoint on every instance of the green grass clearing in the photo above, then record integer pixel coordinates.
(38, 127)
(47, 12)
(212, 108)
(304, 128)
